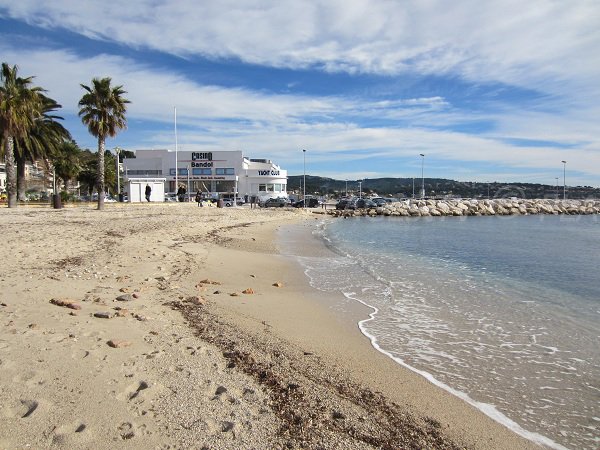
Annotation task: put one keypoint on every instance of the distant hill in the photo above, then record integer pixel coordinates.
(435, 187)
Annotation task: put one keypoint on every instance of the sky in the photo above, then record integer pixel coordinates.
(487, 91)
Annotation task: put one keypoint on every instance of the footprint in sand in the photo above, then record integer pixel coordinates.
(30, 407)
(71, 435)
(142, 386)
(133, 391)
(128, 430)
(23, 409)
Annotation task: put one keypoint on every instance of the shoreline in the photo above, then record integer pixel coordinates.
(361, 313)
(274, 368)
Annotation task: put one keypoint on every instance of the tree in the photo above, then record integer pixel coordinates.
(88, 175)
(20, 106)
(41, 142)
(67, 161)
(102, 110)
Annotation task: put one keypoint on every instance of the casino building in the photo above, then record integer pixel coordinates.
(215, 173)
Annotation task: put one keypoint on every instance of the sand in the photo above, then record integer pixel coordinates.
(130, 328)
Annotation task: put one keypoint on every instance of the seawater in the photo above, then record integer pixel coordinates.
(504, 312)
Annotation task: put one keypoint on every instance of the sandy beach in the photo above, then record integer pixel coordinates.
(173, 326)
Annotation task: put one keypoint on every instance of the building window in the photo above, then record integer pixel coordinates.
(144, 172)
(224, 171)
(202, 171)
(180, 171)
(271, 187)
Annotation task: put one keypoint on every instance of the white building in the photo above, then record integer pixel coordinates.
(2, 178)
(215, 173)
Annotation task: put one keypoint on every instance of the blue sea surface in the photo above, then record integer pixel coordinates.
(502, 311)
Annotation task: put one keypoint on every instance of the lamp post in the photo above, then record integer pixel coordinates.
(176, 149)
(422, 175)
(346, 187)
(564, 180)
(360, 189)
(304, 181)
(188, 182)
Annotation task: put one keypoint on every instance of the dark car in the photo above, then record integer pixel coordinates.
(362, 203)
(343, 203)
(380, 201)
(278, 202)
(310, 203)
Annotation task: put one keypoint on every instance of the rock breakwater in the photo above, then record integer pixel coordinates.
(492, 207)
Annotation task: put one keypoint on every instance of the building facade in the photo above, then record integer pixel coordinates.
(2, 178)
(214, 174)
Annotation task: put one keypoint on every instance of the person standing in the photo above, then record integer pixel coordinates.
(148, 192)
(199, 198)
(181, 193)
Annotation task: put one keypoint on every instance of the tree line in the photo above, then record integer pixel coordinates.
(30, 130)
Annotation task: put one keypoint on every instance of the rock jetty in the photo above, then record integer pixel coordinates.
(492, 207)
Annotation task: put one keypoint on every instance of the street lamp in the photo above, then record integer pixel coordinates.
(188, 181)
(176, 150)
(304, 181)
(422, 175)
(564, 180)
(360, 189)
(346, 187)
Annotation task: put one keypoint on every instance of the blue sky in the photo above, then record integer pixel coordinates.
(488, 91)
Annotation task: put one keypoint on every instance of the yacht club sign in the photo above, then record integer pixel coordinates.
(263, 173)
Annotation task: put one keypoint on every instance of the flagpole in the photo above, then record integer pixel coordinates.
(176, 168)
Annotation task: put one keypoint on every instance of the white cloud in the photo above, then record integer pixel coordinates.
(538, 44)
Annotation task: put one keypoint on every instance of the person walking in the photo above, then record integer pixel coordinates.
(148, 192)
(199, 198)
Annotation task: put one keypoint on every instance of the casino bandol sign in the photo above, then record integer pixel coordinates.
(205, 157)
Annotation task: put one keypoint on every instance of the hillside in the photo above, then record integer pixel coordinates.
(435, 187)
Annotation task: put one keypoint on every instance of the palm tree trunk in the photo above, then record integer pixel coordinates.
(11, 176)
(21, 185)
(100, 172)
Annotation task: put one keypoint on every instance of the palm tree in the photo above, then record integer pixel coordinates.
(43, 141)
(20, 106)
(102, 109)
(67, 161)
(88, 175)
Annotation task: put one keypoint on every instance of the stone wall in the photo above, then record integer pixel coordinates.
(503, 206)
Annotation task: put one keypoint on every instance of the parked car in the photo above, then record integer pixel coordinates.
(379, 201)
(361, 203)
(230, 201)
(278, 202)
(343, 203)
(310, 203)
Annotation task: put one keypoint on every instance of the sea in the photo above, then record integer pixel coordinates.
(503, 312)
